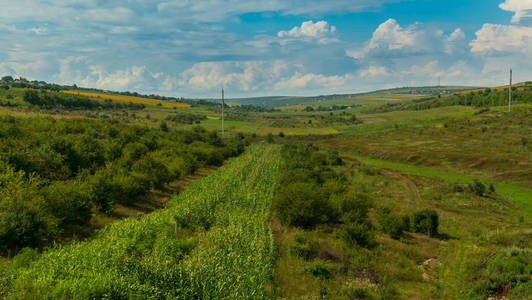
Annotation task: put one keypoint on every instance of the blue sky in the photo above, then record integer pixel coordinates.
(192, 48)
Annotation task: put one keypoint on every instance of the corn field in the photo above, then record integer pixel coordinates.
(212, 241)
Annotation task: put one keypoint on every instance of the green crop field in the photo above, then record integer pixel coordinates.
(169, 253)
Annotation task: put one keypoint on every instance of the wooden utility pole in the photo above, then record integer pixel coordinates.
(223, 104)
(510, 93)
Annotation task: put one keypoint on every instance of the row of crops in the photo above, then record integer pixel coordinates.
(212, 241)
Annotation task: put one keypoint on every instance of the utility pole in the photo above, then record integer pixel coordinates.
(223, 104)
(510, 93)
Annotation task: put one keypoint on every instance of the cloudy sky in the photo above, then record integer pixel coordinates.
(192, 48)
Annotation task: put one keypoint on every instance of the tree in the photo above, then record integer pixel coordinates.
(426, 221)
(7, 79)
(32, 97)
(302, 204)
(269, 138)
(164, 126)
(25, 219)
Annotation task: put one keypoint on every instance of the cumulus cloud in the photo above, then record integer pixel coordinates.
(373, 72)
(522, 10)
(310, 81)
(392, 40)
(186, 48)
(216, 10)
(502, 38)
(244, 76)
(504, 46)
(320, 30)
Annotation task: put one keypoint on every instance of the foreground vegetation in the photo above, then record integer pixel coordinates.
(212, 241)
(55, 175)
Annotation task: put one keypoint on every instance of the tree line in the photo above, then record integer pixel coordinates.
(55, 175)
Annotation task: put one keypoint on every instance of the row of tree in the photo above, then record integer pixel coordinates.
(56, 174)
(49, 100)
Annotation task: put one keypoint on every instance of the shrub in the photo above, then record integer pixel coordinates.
(155, 170)
(164, 126)
(306, 249)
(70, 202)
(426, 221)
(333, 158)
(320, 269)
(392, 224)
(351, 208)
(477, 187)
(302, 204)
(25, 257)
(25, 219)
(269, 138)
(358, 234)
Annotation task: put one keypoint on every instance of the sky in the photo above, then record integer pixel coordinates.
(191, 48)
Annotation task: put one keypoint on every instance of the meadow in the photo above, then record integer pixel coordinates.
(411, 193)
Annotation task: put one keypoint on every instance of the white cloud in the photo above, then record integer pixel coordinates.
(244, 76)
(374, 72)
(502, 38)
(392, 40)
(310, 81)
(455, 42)
(522, 9)
(108, 15)
(38, 30)
(320, 30)
(123, 29)
(501, 47)
(217, 10)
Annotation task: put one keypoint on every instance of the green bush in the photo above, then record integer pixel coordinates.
(478, 188)
(269, 138)
(426, 221)
(510, 268)
(358, 234)
(351, 208)
(302, 204)
(70, 202)
(306, 249)
(25, 219)
(333, 158)
(25, 257)
(320, 269)
(392, 224)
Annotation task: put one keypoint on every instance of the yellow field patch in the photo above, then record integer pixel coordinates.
(523, 84)
(140, 100)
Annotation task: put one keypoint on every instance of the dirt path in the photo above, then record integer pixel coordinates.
(412, 188)
(413, 192)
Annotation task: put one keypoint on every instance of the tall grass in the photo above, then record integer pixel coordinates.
(212, 241)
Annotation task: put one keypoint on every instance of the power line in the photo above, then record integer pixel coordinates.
(510, 93)
(223, 104)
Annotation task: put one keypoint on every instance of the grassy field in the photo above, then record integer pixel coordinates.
(224, 237)
(223, 233)
(473, 229)
(462, 142)
(519, 195)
